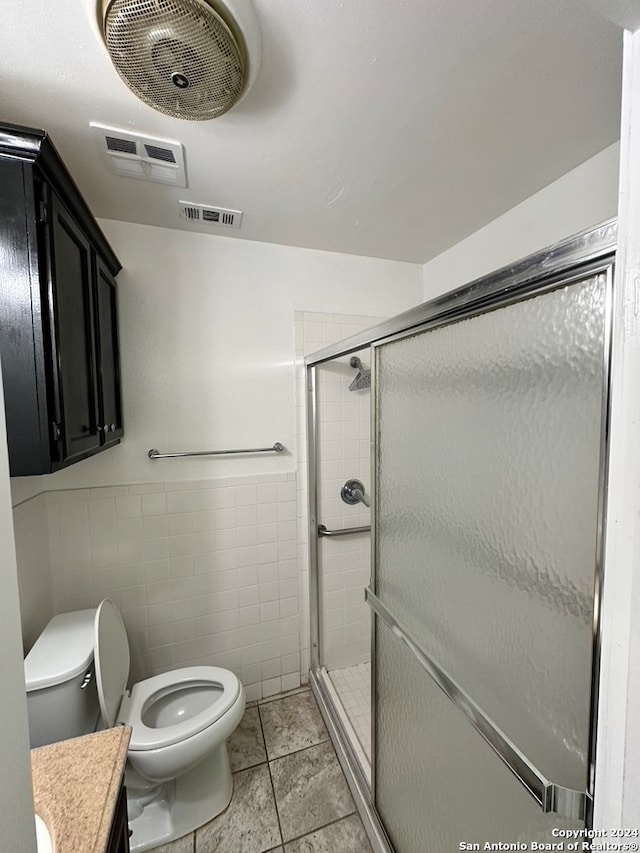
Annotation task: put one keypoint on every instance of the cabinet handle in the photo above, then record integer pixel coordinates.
(113, 427)
(101, 428)
(56, 431)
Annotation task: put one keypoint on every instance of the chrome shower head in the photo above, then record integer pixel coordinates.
(363, 379)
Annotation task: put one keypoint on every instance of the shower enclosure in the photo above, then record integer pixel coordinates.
(486, 477)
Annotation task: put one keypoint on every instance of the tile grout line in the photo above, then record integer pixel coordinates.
(295, 752)
(324, 826)
(355, 810)
(302, 749)
(280, 696)
(273, 790)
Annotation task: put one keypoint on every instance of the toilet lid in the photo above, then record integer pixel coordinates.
(112, 659)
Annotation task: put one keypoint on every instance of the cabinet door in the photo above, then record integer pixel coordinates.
(73, 341)
(119, 834)
(108, 354)
(24, 365)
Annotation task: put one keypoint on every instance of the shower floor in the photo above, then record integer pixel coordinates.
(353, 686)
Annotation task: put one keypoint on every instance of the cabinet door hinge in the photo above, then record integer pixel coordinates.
(55, 429)
(44, 211)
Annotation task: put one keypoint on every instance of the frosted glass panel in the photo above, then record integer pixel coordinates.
(489, 435)
(438, 783)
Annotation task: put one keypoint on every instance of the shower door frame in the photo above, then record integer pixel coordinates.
(572, 260)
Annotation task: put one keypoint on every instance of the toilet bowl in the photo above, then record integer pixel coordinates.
(180, 721)
(178, 717)
(177, 774)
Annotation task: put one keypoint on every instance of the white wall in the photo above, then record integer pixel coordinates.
(17, 831)
(207, 348)
(34, 567)
(578, 200)
(208, 358)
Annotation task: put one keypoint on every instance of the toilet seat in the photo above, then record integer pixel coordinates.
(145, 693)
(112, 660)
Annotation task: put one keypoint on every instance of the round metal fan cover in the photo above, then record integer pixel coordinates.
(178, 56)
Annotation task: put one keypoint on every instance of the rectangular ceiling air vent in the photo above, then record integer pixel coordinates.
(157, 153)
(124, 146)
(209, 214)
(133, 155)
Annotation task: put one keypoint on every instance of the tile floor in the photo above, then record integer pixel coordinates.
(289, 795)
(353, 686)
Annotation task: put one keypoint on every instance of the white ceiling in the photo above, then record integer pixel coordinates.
(389, 128)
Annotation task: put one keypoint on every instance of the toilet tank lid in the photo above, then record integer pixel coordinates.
(63, 651)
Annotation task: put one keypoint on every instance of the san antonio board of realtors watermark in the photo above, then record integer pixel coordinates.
(589, 840)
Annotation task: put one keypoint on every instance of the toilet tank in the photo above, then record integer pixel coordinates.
(62, 699)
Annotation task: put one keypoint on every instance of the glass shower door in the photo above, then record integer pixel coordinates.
(487, 511)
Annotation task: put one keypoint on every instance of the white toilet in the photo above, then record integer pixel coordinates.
(178, 774)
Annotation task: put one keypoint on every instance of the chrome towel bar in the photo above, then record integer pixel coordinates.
(549, 796)
(347, 531)
(275, 448)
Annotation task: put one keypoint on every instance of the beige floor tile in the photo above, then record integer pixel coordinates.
(346, 835)
(291, 724)
(250, 823)
(246, 744)
(310, 789)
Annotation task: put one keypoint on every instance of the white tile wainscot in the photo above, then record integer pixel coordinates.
(204, 572)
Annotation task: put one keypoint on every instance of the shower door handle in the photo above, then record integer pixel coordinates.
(549, 796)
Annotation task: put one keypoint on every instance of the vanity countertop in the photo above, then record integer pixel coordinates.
(76, 785)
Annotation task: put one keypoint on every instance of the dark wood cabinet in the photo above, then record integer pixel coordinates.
(71, 317)
(119, 835)
(58, 312)
(106, 299)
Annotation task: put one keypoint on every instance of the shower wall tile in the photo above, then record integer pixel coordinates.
(203, 572)
(343, 452)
